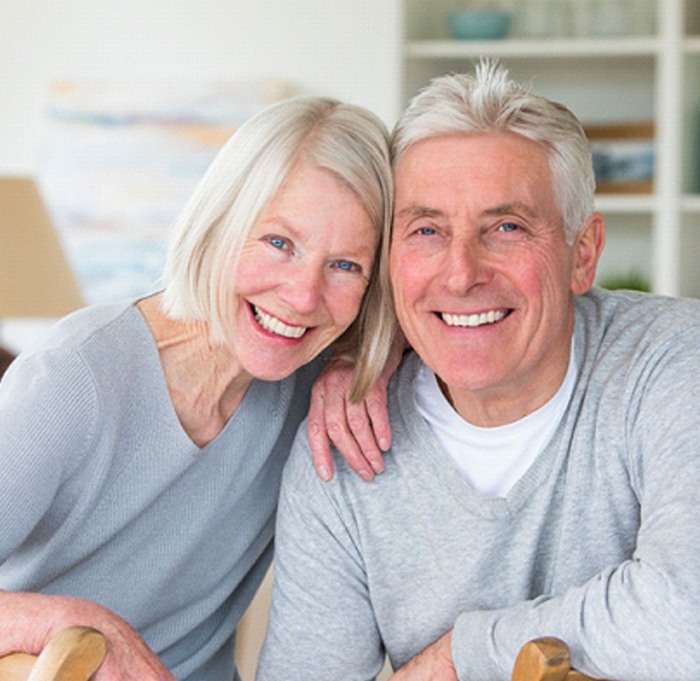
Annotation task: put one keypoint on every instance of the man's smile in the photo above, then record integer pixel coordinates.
(473, 320)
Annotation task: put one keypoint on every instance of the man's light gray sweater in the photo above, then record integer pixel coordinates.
(598, 543)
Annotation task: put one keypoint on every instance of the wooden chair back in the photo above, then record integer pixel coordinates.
(73, 654)
(546, 659)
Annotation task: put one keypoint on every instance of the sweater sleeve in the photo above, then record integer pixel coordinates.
(638, 620)
(315, 537)
(48, 415)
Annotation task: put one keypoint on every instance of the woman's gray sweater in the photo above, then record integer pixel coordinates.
(104, 496)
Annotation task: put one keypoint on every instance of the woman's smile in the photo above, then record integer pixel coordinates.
(276, 326)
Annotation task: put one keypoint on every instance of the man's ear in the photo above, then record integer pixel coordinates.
(588, 246)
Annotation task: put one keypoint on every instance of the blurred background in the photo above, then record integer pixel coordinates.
(64, 64)
(111, 110)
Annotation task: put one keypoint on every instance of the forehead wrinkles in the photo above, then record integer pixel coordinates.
(489, 176)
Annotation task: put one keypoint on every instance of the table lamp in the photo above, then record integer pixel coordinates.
(35, 278)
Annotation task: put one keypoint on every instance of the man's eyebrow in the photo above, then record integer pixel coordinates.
(419, 211)
(511, 207)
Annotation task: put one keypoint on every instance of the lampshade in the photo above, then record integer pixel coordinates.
(35, 278)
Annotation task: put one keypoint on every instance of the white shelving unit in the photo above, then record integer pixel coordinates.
(612, 79)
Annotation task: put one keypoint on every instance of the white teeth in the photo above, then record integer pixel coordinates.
(274, 325)
(473, 320)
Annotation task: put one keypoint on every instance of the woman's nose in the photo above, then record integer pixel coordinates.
(302, 288)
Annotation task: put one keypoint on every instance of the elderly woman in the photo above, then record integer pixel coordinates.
(143, 442)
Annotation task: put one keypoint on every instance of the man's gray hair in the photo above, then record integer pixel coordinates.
(489, 102)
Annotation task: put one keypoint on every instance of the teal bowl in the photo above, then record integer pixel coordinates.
(475, 24)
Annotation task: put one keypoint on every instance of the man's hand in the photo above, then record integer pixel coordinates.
(360, 431)
(433, 664)
(28, 621)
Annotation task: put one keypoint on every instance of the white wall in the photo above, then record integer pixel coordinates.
(346, 49)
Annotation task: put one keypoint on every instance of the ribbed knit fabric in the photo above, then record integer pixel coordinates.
(104, 496)
(598, 542)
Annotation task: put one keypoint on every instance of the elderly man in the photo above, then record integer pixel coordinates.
(544, 475)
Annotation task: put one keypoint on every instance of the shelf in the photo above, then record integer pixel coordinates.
(605, 79)
(625, 203)
(692, 45)
(537, 49)
(628, 204)
(690, 203)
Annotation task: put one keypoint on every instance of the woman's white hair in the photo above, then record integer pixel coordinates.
(209, 235)
(490, 102)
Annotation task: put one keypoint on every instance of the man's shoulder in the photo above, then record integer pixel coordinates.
(299, 466)
(638, 317)
(300, 477)
(621, 303)
(346, 487)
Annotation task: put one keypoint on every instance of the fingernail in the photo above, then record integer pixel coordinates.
(377, 466)
(366, 474)
(324, 473)
(383, 444)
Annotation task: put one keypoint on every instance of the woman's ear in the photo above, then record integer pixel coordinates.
(588, 246)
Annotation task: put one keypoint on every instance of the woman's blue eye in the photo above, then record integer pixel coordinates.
(277, 241)
(347, 266)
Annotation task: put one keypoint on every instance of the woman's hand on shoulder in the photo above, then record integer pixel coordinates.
(361, 432)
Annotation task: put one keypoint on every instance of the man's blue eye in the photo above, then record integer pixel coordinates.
(509, 227)
(426, 230)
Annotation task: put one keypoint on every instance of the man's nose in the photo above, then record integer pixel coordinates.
(302, 289)
(467, 266)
